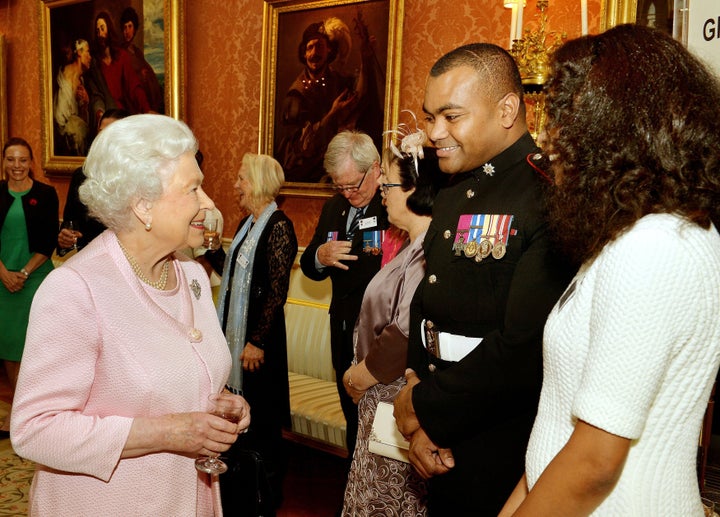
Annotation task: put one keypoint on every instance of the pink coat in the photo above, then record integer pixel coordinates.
(99, 352)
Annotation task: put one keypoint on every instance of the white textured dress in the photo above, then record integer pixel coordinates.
(633, 348)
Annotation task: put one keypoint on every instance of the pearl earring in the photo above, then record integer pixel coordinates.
(148, 226)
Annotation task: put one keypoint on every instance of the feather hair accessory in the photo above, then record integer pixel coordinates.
(339, 33)
(411, 141)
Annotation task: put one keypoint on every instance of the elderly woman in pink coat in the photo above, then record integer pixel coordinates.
(123, 346)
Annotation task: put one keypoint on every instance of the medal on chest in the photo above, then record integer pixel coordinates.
(479, 236)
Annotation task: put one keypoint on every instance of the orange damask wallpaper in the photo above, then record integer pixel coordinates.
(223, 52)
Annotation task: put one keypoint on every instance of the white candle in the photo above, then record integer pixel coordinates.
(513, 25)
(520, 6)
(583, 17)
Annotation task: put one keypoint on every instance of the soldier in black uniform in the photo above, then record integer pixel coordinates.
(491, 280)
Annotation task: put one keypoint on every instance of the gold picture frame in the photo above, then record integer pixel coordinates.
(3, 97)
(63, 24)
(670, 16)
(369, 25)
(617, 12)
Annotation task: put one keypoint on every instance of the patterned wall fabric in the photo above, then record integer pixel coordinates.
(223, 53)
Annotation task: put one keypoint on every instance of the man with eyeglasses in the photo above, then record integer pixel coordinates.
(344, 247)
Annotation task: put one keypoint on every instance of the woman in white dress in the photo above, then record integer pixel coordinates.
(631, 350)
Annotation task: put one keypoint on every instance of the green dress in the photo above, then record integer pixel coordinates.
(15, 307)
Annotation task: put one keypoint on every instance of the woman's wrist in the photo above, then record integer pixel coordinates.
(25, 272)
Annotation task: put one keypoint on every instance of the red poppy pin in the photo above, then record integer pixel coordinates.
(32, 201)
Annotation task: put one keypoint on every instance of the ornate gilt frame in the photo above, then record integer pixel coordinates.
(616, 12)
(3, 96)
(174, 47)
(272, 11)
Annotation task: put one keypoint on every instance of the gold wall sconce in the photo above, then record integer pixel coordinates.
(531, 50)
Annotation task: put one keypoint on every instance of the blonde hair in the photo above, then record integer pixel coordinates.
(265, 175)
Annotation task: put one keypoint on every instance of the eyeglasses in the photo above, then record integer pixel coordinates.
(385, 187)
(351, 189)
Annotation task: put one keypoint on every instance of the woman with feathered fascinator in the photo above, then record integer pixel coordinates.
(409, 181)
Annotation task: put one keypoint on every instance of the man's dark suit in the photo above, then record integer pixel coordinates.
(348, 288)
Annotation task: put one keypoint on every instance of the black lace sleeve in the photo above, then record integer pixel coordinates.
(281, 250)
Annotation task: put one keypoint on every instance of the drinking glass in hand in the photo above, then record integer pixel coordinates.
(708, 507)
(224, 406)
(72, 226)
(212, 236)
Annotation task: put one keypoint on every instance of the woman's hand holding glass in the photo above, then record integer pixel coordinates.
(225, 409)
(69, 235)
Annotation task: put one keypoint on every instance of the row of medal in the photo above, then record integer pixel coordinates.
(372, 241)
(480, 250)
(487, 234)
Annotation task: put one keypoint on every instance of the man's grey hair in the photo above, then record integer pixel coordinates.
(350, 145)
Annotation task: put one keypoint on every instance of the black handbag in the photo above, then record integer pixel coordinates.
(245, 488)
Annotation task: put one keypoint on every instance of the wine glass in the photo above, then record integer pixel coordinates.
(224, 406)
(72, 226)
(211, 234)
(708, 507)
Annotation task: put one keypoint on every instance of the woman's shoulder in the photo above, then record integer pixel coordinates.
(44, 188)
(280, 226)
(278, 216)
(278, 221)
(663, 242)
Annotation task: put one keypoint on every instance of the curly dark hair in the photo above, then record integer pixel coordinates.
(633, 128)
(130, 15)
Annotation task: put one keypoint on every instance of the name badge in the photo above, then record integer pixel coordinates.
(242, 260)
(368, 222)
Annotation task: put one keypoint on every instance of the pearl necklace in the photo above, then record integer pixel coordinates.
(160, 284)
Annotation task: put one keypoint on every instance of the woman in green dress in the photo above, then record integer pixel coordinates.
(28, 234)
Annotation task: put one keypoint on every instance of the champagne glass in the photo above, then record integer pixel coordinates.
(708, 507)
(224, 406)
(211, 234)
(72, 226)
(709, 498)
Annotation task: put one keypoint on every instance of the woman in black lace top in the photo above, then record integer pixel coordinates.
(256, 274)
